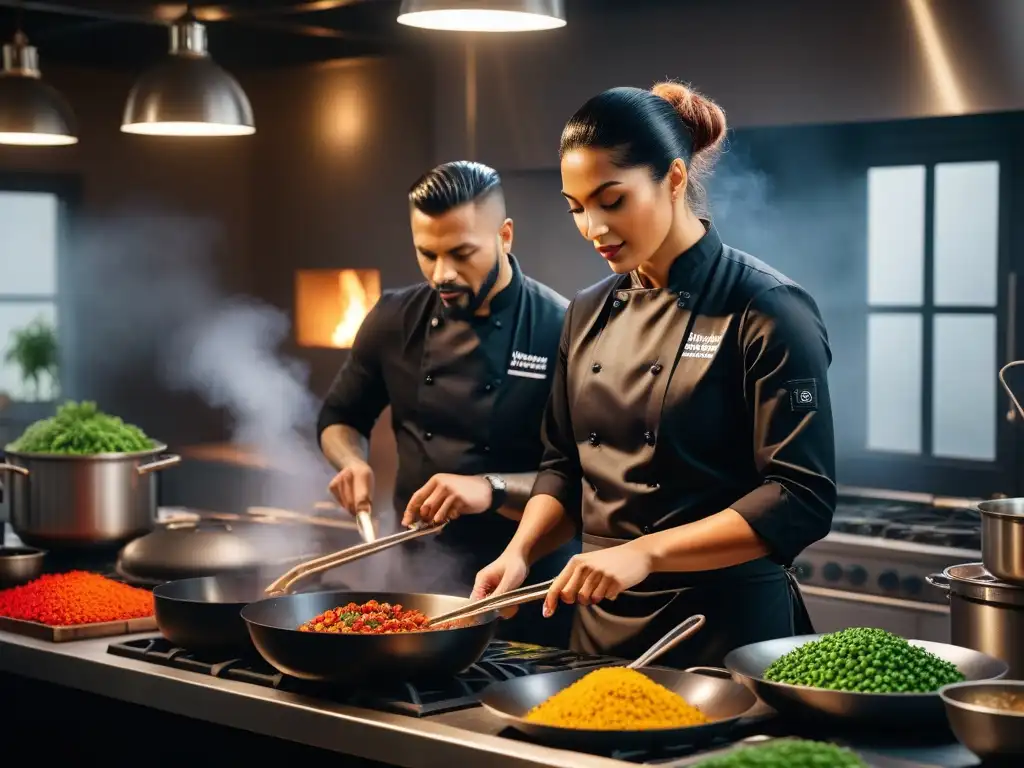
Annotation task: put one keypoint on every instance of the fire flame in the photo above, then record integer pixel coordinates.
(355, 305)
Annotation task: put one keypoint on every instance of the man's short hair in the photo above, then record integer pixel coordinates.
(452, 184)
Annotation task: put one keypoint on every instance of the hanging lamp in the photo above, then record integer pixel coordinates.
(188, 94)
(483, 15)
(32, 112)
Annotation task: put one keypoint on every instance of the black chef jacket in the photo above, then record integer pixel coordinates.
(670, 405)
(467, 397)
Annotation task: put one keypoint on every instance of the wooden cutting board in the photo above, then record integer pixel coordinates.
(77, 631)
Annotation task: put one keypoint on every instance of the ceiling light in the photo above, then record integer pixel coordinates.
(188, 94)
(483, 16)
(32, 113)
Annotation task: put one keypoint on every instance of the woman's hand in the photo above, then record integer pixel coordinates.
(602, 575)
(503, 575)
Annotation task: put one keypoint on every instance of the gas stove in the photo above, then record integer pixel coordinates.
(885, 545)
(502, 661)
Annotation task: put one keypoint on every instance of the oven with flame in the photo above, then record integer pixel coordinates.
(330, 305)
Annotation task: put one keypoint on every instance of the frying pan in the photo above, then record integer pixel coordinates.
(354, 658)
(711, 691)
(203, 614)
(902, 710)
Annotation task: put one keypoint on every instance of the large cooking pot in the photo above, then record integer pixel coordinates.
(1002, 539)
(73, 502)
(985, 614)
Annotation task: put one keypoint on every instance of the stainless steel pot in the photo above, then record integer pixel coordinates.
(71, 502)
(994, 735)
(1002, 539)
(985, 614)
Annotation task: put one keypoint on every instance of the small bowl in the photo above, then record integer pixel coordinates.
(19, 565)
(994, 735)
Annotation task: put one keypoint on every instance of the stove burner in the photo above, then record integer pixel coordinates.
(501, 661)
(917, 523)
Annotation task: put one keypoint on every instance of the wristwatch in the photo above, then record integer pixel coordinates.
(499, 491)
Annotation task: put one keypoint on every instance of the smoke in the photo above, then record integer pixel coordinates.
(159, 319)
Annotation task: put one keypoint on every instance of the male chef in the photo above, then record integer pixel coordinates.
(465, 361)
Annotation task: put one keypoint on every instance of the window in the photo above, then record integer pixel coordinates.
(29, 222)
(933, 255)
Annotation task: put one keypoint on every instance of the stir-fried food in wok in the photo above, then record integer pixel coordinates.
(616, 699)
(371, 618)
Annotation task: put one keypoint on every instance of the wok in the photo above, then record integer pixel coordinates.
(203, 614)
(712, 691)
(901, 710)
(432, 654)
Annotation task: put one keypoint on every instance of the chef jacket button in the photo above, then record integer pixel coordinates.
(649, 437)
(428, 379)
(594, 440)
(685, 294)
(680, 302)
(488, 387)
(434, 322)
(428, 435)
(497, 323)
(596, 367)
(616, 304)
(656, 369)
(487, 449)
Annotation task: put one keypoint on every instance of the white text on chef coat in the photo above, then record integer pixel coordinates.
(702, 345)
(528, 366)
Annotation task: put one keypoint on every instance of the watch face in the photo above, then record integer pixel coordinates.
(497, 483)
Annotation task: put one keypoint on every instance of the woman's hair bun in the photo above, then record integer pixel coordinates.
(704, 118)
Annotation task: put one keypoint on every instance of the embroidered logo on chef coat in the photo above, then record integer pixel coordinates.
(803, 394)
(702, 345)
(528, 366)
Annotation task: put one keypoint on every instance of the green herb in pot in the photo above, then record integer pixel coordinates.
(787, 753)
(81, 429)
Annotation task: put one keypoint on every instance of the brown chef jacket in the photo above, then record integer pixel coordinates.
(669, 405)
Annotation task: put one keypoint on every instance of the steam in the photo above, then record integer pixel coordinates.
(159, 320)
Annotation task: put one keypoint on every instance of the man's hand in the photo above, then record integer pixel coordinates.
(353, 488)
(446, 497)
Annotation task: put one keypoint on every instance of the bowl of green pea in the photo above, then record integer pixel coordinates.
(863, 676)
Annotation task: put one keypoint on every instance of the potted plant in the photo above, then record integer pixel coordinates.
(34, 350)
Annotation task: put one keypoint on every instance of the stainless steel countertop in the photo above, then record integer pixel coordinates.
(465, 737)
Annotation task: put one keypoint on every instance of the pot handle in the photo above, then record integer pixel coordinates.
(153, 466)
(938, 580)
(1013, 398)
(13, 468)
(721, 674)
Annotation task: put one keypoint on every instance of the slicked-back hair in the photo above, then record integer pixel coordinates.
(452, 184)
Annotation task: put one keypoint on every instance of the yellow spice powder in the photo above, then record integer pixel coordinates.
(616, 699)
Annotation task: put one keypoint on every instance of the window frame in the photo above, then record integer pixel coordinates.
(67, 188)
(929, 143)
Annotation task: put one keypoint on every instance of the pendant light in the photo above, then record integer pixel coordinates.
(483, 15)
(32, 113)
(188, 94)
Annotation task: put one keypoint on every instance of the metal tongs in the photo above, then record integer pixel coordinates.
(495, 602)
(669, 641)
(351, 554)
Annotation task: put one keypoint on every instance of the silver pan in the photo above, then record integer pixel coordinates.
(748, 663)
(717, 696)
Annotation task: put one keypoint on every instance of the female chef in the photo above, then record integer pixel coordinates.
(689, 429)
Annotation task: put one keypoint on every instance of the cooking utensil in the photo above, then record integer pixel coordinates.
(749, 662)
(365, 524)
(984, 613)
(712, 691)
(1002, 538)
(329, 562)
(994, 735)
(351, 658)
(19, 565)
(74, 502)
(205, 613)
